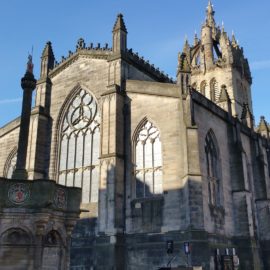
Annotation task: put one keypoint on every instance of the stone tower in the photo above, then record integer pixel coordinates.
(213, 62)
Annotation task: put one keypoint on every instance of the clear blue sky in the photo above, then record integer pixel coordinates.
(156, 29)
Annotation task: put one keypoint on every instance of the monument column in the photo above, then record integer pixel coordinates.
(28, 84)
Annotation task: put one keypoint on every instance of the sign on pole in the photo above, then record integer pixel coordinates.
(187, 248)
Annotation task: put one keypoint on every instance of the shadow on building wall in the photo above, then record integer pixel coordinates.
(143, 242)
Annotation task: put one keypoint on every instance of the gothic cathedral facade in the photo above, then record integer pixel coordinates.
(156, 159)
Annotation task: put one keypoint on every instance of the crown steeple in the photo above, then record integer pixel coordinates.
(209, 56)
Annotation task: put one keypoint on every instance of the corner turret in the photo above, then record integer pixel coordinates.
(183, 70)
(119, 35)
(47, 60)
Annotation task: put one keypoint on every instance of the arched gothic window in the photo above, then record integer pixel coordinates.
(214, 95)
(148, 161)
(203, 87)
(213, 169)
(79, 146)
(10, 165)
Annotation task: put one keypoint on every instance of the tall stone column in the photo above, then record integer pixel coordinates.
(28, 84)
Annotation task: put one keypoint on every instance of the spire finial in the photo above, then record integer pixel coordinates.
(210, 8)
(47, 51)
(247, 117)
(119, 35)
(234, 42)
(210, 14)
(224, 96)
(195, 38)
(222, 27)
(47, 60)
(119, 23)
(186, 44)
(263, 127)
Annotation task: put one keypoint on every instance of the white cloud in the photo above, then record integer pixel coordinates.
(7, 101)
(258, 65)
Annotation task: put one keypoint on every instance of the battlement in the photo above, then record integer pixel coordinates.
(150, 68)
(105, 52)
(81, 47)
(91, 51)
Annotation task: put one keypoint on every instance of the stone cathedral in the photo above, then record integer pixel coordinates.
(159, 161)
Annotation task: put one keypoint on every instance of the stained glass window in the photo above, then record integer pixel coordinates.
(148, 161)
(79, 146)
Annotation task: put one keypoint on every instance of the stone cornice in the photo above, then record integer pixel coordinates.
(153, 88)
(15, 124)
(44, 80)
(113, 89)
(10, 126)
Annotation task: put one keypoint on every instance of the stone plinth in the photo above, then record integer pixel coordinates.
(37, 218)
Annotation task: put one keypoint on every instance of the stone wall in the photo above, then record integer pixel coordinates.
(35, 227)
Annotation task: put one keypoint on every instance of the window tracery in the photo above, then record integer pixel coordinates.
(148, 161)
(213, 174)
(79, 146)
(10, 164)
